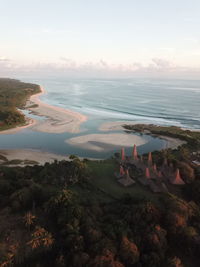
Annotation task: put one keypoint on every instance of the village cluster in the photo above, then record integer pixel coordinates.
(158, 179)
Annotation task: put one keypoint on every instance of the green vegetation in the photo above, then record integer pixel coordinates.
(191, 137)
(104, 179)
(13, 95)
(183, 156)
(74, 213)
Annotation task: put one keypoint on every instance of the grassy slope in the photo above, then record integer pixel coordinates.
(103, 178)
(102, 173)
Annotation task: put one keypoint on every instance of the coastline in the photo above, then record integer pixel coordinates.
(29, 156)
(171, 141)
(30, 122)
(118, 125)
(57, 119)
(114, 125)
(60, 120)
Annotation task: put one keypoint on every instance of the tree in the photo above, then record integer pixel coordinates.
(105, 260)
(186, 171)
(41, 238)
(174, 262)
(29, 219)
(129, 252)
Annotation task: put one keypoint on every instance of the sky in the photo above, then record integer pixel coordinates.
(100, 37)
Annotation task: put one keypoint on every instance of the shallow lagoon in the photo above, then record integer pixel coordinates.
(28, 139)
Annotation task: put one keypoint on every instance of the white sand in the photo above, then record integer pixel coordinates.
(106, 142)
(58, 120)
(114, 125)
(118, 125)
(32, 154)
(41, 157)
(172, 142)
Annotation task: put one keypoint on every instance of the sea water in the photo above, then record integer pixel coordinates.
(165, 102)
(162, 102)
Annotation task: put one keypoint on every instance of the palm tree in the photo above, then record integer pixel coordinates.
(41, 237)
(29, 219)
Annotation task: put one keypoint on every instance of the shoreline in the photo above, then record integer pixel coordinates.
(30, 157)
(172, 142)
(30, 121)
(57, 119)
(60, 120)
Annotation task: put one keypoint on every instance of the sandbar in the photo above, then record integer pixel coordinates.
(106, 142)
(114, 125)
(171, 142)
(29, 156)
(56, 119)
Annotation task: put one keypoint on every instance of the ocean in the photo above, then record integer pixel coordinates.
(162, 102)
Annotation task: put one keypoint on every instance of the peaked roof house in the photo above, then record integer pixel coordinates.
(135, 154)
(150, 158)
(122, 154)
(177, 178)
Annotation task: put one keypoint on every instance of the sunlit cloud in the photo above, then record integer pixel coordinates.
(162, 63)
(66, 67)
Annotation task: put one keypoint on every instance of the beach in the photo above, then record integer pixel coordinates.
(39, 157)
(172, 142)
(114, 125)
(56, 119)
(106, 142)
(118, 125)
(29, 157)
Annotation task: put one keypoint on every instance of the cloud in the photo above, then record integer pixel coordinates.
(103, 63)
(162, 63)
(4, 59)
(68, 62)
(66, 67)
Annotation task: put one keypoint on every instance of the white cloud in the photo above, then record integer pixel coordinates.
(162, 63)
(4, 59)
(157, 67)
